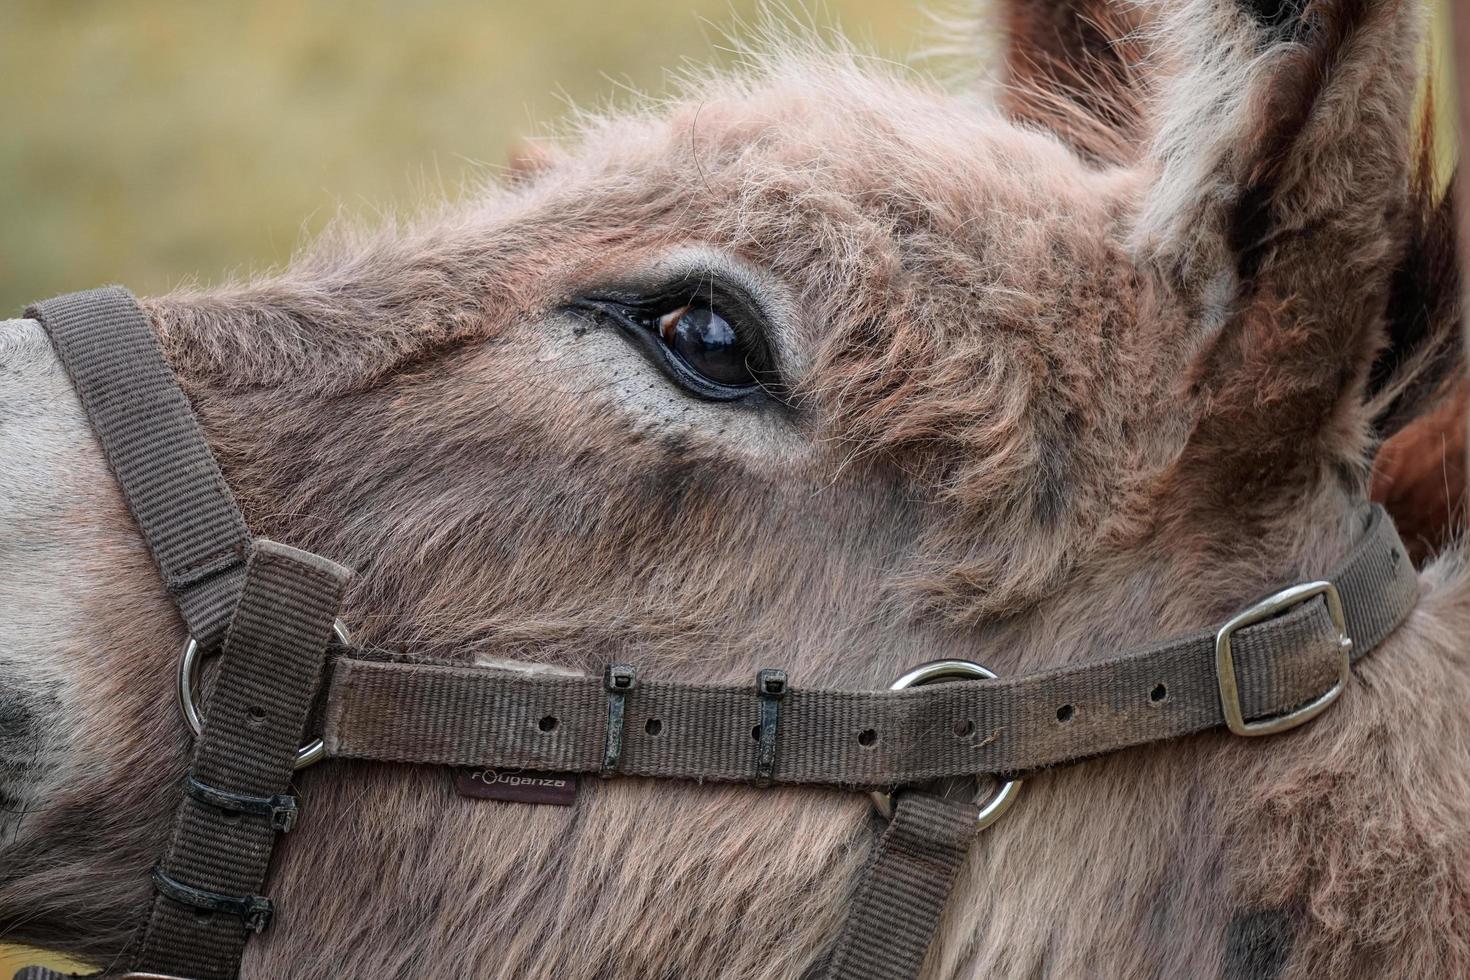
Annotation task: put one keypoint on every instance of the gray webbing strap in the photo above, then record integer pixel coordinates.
(466, 715)
(901, 893)
(154, 445)
(218, 857)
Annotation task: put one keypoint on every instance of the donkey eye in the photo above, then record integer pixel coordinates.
(711, 344)
(708, 343)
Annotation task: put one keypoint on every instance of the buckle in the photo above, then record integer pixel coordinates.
(1269, 608)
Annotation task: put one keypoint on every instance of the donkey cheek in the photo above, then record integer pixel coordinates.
(22, 755)
(16, 720)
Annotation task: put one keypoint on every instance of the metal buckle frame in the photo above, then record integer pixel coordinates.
(1269, 608)
(189, 663)
(1000, 801)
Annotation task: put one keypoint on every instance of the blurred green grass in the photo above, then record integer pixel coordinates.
(147, 142)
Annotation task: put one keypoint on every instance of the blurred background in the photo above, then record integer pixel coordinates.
(150, 143)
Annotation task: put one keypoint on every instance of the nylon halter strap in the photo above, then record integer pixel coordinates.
(1272, 667)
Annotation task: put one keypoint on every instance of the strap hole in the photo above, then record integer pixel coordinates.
(1158, 694)
(255, 716)
(548, 724)
(1065, 713)
(203, 915)
(755, 733)
(964, 728)
(867, 738)
(653, 726)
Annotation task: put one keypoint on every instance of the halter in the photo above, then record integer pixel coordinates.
(272, 609)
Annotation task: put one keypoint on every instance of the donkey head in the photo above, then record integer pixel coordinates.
(822, 367)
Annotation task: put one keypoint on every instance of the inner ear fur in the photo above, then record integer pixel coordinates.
(1075, 68)
(1282, 205)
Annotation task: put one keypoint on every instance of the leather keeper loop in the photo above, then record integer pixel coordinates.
(619, 679)
(283, 810)
(770, 687)
(255, 911)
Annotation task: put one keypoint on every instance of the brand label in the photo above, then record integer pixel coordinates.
(517, 786)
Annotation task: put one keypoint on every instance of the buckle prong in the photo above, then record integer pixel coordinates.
(1269, 608)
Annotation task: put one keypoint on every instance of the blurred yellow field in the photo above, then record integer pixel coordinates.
(12, 958)
(148, 143)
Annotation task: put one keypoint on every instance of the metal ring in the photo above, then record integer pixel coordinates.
(189, 663)
(1002, 799)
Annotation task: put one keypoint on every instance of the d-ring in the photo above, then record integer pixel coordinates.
(310, 753)
(1001, 801)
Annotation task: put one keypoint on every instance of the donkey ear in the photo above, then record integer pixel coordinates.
(526, 160)
(1281, 200)
(1074, 67)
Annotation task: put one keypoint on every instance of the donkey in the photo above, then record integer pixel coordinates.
(829, 367)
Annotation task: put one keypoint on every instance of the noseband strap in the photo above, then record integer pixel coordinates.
(449, 713)
(152, 440)
(1272, 667)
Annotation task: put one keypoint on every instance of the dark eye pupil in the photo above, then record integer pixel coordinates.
(707, 342)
